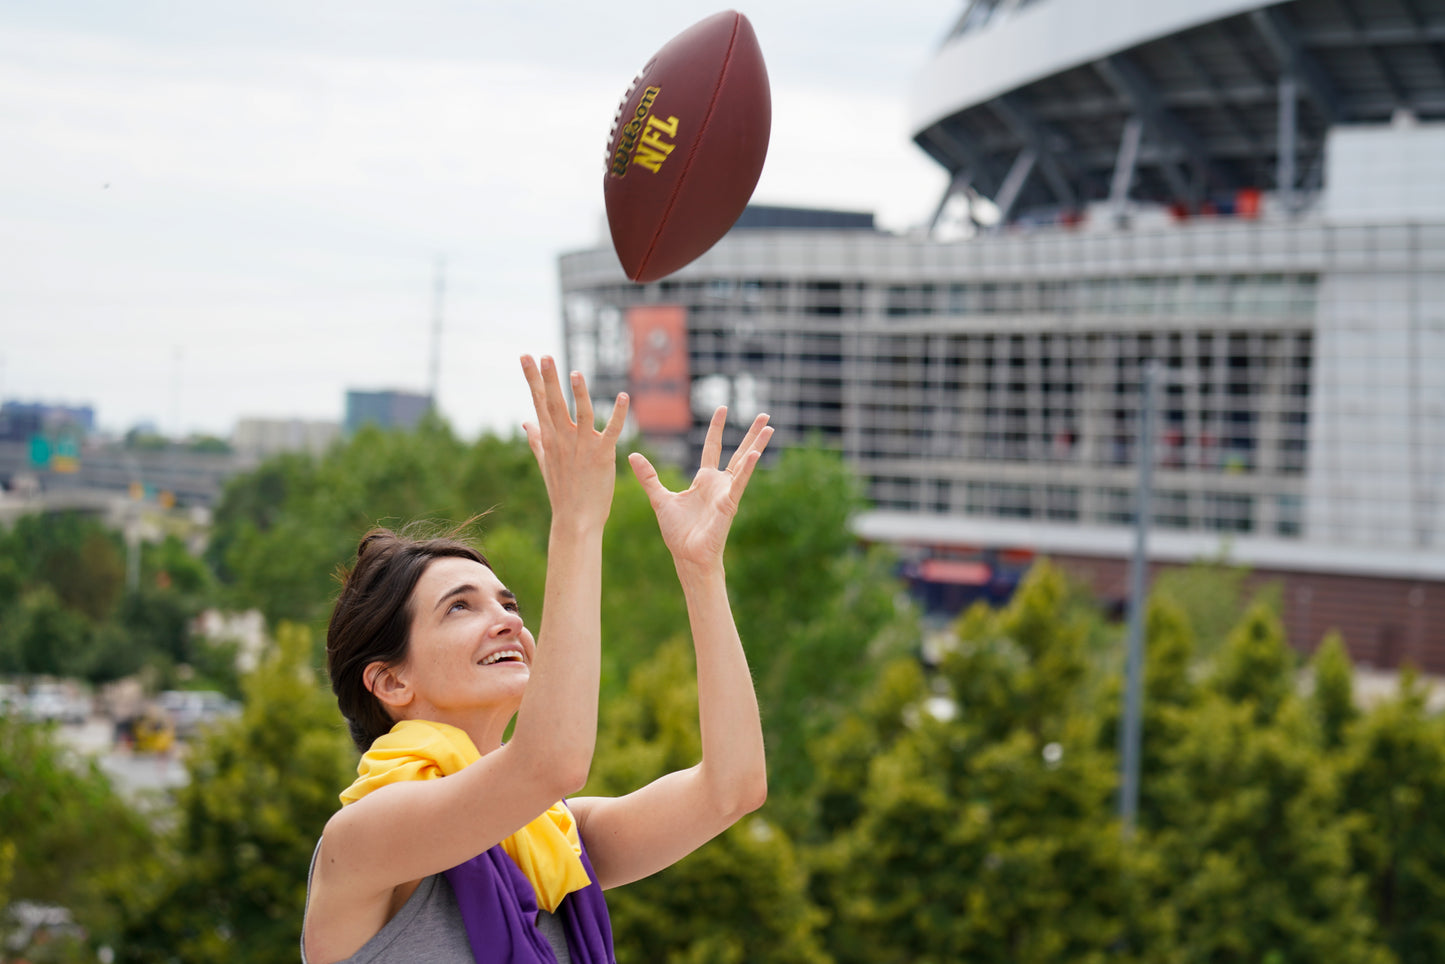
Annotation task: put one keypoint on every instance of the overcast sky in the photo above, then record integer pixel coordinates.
(219, 211)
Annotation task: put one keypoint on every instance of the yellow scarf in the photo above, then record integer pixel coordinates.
(547, 850)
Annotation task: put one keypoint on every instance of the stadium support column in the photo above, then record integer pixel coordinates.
(957, 185)
(1013, 183)
(1288, 128)
(1124, 168)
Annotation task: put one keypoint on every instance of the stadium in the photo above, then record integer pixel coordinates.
(1246, 198)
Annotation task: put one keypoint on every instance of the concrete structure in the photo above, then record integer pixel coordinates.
(387, 409)
(193, 479)
(258, 438)
(20, 421)
(1248, 193)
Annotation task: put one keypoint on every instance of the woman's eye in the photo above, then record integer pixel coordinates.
(456, 605)
(513, 607)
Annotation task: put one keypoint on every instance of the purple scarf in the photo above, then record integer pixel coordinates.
(499, 908)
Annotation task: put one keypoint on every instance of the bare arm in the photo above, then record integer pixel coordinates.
(406, 831)
(632, 836)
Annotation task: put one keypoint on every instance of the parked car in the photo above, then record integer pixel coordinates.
(56, 702)
(191, 710)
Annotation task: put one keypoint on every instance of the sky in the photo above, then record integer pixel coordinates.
(222, 211)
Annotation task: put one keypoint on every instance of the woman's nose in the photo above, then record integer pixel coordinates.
(509, 624)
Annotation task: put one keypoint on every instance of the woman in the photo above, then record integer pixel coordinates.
(430, 661)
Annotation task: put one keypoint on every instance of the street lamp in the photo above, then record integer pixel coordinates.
(1130, 730)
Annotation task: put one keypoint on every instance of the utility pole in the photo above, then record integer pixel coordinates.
(1130, 730)
(438, 297)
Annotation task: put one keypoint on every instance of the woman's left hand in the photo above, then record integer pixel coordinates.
(695, 521)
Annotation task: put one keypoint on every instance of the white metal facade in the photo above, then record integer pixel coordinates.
(996, 379)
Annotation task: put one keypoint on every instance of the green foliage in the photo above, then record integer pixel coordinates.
(983, 829)
(170, 564)
(1242, 807)
(142, 440)
(1333, 698)
(260, 790)
(642, 602)
(1211, 595)
(43, 636)
(988, 834)
(208, 444)
(66, 837)
(1394, 790)
(75, 556)
(1256, 664)
(742, 897)
(282, 531)
(1171, 696)
(845, 754)
(64, 611)
(1244, 816)
(816, 614)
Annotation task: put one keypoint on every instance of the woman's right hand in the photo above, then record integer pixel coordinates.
(578, 463)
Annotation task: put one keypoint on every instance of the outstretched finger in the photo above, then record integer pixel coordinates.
(583, 401)
(712, 445)
(747, 443)
(534, 442)
(556, 401)
(617, 419)
(647, 476)
(749, 462)
(539, 392)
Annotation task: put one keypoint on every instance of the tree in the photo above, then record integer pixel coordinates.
(260, 791)
(282, 532)
(170, 564)
(1333, 697)
(44, 636)
(1244, 815)
(983, 828)
(741, 897)
(75, 556)
(1394, 792)
(1256, 665)
(66, 837)
(1211, 595)
(816, 613)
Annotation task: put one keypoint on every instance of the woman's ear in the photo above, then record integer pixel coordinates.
(388, 684)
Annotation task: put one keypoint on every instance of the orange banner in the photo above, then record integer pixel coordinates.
(661, 386)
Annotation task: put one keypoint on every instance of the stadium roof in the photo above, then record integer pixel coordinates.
(1043, 104)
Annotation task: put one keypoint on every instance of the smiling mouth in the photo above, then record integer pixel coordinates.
(505, 656)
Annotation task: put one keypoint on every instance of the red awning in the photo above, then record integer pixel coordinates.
(958, 572)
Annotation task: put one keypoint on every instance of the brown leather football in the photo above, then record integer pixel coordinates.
(687, 146)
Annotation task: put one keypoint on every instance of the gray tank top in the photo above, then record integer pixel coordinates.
(429, 930)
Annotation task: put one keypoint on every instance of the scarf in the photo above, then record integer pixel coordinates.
(547, 850)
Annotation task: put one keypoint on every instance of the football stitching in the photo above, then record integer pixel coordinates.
(692, 151)
(617, 118)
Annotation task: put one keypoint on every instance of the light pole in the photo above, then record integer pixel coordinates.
(1130, 730)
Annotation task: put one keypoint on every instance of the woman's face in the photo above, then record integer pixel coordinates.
(468, 648)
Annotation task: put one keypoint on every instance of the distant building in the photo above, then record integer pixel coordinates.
(386, 409)
(21, 421)
(1246, 193)
(259, 438)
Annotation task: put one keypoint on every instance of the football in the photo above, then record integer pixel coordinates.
(687, 146)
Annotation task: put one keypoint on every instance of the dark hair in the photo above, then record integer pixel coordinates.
(372, 618)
